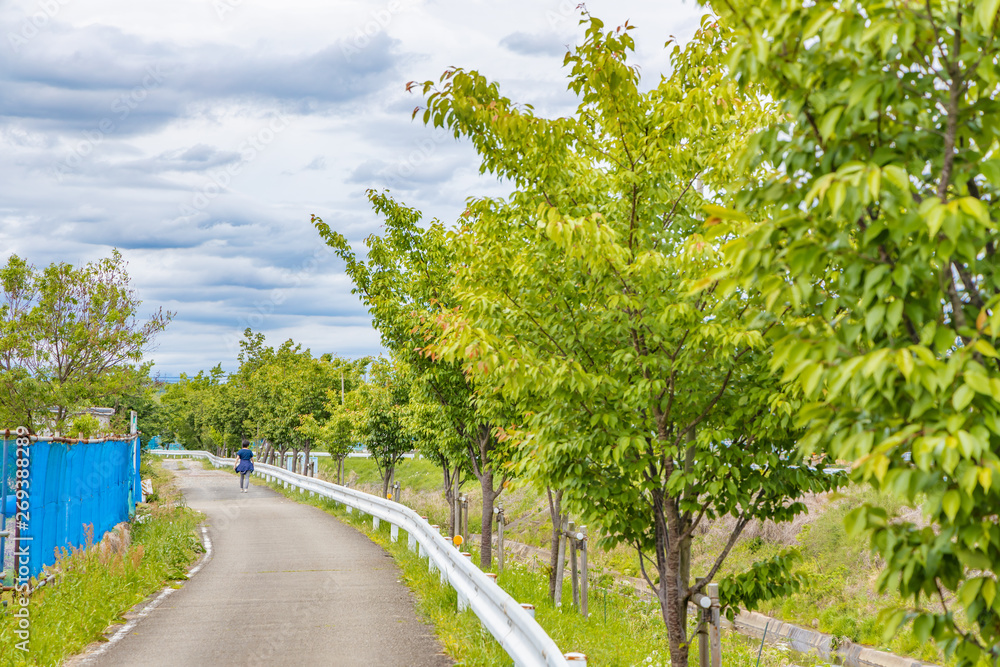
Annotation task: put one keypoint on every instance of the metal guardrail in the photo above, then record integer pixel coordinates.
(512, 626)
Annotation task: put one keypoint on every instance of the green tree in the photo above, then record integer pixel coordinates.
(69, 337)
(879, 205)
(281, 386)
(378, 413)
(586, 298)
(335, 433)
(188, 407)
(406, 283)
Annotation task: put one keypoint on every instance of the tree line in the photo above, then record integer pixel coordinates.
(782, 250)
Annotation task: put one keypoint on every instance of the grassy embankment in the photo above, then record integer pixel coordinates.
(622, 629)
(839, 599)
(92, 589)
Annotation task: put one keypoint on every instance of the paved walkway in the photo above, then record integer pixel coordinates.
(287, 584)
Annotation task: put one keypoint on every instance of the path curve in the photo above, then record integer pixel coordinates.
(288, 584)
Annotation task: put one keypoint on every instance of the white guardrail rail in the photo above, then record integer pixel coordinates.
(517, 632)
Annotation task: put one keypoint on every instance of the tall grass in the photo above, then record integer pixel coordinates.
(94, 586)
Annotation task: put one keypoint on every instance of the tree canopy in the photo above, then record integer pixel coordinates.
(69, 338)
(874, 231)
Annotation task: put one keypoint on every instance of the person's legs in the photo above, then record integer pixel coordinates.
(244, 479)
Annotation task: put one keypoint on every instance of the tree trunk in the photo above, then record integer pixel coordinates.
(486, 536)
(282, 452)
(306, 450)
(385, 479)
(671, 562)
(449, 496)
(556, 516)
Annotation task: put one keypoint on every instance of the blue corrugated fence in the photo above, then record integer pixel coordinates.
(72, 485)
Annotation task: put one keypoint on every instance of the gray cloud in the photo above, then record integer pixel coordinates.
(199, 144)
(535, 44)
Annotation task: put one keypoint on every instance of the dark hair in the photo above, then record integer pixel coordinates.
(246, 443)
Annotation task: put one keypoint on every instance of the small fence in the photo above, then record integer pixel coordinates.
(511, 625)
(57, 493)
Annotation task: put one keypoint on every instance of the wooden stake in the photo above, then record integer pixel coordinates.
(583, 572)
(572, 564)
(560, 568)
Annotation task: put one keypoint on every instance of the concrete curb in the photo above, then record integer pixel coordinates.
(804, 640)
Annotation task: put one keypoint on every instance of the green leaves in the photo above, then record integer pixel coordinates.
(880, 195)
(69, 337)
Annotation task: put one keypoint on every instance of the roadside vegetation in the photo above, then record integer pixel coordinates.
(839, 593)
(94, 587)
(622, 629)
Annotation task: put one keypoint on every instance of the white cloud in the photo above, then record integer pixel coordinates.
(199, 135)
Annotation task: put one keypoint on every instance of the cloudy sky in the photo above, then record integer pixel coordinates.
(197, 137)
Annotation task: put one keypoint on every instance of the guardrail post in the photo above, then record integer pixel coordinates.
(573, 572)
(375, 523)
(411, 541)
(423, 552)
(393, 533)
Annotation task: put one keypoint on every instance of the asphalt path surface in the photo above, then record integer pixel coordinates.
(286, 584)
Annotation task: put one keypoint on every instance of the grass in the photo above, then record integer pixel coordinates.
(94, 588)
(622, 629)
(840, 598)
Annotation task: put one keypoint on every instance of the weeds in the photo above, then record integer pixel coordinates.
(96, 585)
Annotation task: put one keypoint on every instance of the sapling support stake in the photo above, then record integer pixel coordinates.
(763, 637)
(583, 570)
(573, 571)
(559, 563)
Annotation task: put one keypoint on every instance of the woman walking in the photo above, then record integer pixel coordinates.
(244, 465)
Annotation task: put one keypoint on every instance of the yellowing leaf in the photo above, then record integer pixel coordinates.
(985, 349)
(724, 213)
(951, 503)
(874, 183)
(962, 397)
(978, 381)
(985, 476)
(934, 218)
(975, 208)
(897, 176)
(986, 13)
(905, 362)
(829, 122)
